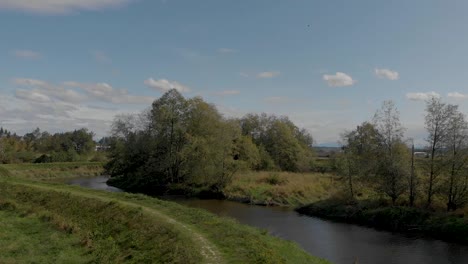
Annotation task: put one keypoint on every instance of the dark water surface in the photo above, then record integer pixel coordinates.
(337, 242)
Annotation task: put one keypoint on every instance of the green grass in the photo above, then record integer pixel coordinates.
(52, 171)
(118, 227)
(30, 240)
(281, 188)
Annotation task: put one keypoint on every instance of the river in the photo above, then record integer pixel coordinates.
(338, 242)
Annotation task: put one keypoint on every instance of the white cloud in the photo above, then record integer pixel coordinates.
(227, 92)
(268, 74)
(243, 74)
(45, 89)
(164, 85)
(59, 6)
(26, 54)
(457, 96)
(339, 80)
(67, 92)
(105, 92)
(65, 106)
(422, 96)
(226, 50)
(33, 95)
(387, 74)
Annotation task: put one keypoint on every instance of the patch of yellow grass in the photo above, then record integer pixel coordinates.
(282, 188)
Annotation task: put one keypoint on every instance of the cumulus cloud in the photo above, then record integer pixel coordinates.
(457, 96)
(422, 96)
(387, 74)
(164, 85)
(26, 54)
(268, 74)
(339, 80)
(59, 6)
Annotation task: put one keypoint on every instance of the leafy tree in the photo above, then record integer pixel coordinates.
(361, 151)
(393, 161)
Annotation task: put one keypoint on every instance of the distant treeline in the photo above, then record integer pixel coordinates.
(40, 146)
(187, 144)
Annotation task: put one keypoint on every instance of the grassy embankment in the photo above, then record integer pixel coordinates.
(53, 171)
(117, 227)
(379, 214)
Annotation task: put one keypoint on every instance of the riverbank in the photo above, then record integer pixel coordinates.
(121, 227)
(446, 226)
(256, 187)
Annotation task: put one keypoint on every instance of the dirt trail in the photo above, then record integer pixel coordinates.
(208, 249)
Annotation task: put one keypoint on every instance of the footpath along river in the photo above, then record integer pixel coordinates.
(338, 242)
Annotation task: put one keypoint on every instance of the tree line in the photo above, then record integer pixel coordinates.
(186, 144)
(41, 146)
(376, 156)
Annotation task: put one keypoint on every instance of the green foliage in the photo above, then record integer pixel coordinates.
(281, 144)
(179, 143)
(42, 147)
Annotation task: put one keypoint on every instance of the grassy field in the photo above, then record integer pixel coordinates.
(52, 171)
(281, 188)
(119, 227)
(26, 239)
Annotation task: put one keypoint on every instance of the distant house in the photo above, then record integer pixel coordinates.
(101, 148)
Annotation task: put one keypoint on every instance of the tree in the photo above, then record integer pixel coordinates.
(361, 151)
(179, 143)
(279, 140)
(392, 165)
(437, 125)
(457, 146)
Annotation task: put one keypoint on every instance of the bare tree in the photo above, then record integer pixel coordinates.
(437, 124)
(456, 145)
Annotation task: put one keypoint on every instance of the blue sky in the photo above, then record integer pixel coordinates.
(328, 65)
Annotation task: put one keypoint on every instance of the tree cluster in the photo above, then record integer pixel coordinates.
(188, 144)
(38, 146)
(376, 155)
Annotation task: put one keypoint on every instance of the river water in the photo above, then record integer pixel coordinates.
(338, 242)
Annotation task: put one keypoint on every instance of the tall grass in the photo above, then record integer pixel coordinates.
(53, 171)
(281, 188)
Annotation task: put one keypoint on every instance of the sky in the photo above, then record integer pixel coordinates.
(327, 65)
